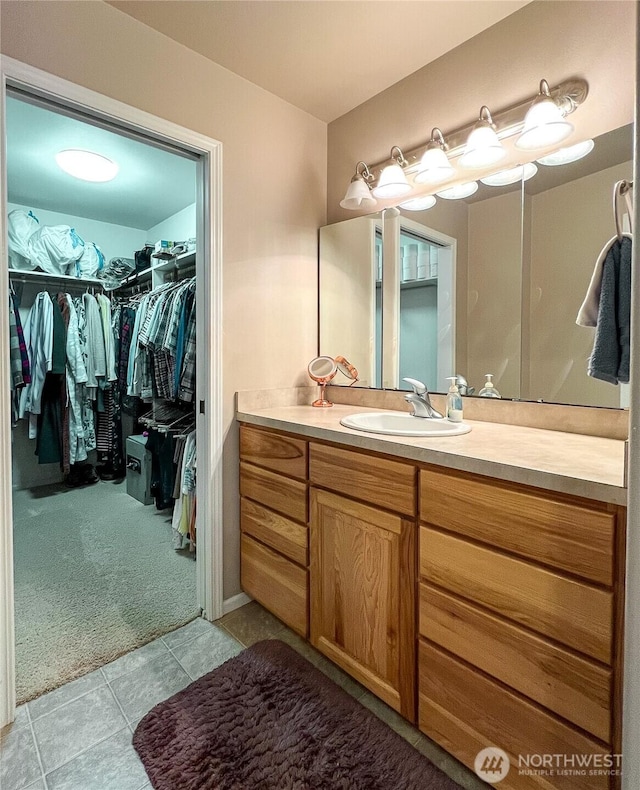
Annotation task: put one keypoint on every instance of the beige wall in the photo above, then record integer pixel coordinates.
(494, 274)
(274, 188)
(569, 226)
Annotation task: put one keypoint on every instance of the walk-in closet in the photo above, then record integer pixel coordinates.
(102, 273)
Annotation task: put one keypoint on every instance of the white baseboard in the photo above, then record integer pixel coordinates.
(235, 602)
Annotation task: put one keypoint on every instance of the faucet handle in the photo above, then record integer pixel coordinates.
(418, 387)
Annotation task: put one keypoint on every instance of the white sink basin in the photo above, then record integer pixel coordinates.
(400, 424)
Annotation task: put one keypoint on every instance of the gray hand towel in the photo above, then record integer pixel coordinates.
(610, 358)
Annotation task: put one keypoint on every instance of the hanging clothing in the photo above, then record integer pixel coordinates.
(96, 354)
(76, 374)
(38, 338)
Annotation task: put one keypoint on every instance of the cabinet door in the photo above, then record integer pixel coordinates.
(363, 595)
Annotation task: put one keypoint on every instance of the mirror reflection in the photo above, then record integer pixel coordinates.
(487, 285)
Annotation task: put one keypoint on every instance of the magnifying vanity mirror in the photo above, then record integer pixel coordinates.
(488, 284)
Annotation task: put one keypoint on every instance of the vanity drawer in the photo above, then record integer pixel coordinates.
(564, 535)
(575, 614)
(465, 712)
(278, 584)
(375, 480)
(278, 532)
(277, 492)
(274, 451)
(573, 687)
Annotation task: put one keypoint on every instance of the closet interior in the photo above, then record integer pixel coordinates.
(102, 274)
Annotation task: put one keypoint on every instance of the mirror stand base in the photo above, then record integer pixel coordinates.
(322, 402)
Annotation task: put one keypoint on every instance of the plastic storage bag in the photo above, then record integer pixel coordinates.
(91, 262)
(21, 226)
(55, 248)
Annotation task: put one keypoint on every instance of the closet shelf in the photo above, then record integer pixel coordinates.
(408, 284)
(40, 277)
(179, 262)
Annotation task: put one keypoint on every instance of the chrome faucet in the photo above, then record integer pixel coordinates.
(420, 401)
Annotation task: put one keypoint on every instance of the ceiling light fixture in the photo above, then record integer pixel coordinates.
(358, 193)
(566, 155)
(393, 182)
(511, 176)
(87, 165)
(459, 191)
(435, 166)
(544, 123)
(421, 203)
(483, 147)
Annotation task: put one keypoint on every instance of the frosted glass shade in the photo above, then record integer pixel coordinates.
(459, 191)
(566, 155)
(483, 148)
(544, 125)
(358, 196)
(392, 183)
(435, 167)
(510, 176)
(87, 165)
(419, 203)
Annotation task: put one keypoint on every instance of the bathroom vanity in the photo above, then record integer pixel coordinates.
(473, 583)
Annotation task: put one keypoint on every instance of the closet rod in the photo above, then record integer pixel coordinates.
(61, 282)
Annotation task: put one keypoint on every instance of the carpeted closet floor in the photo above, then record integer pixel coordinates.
(95, 576)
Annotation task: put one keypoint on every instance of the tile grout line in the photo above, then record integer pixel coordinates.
(38, 755)
(68, 702)
(84, 751)
(120, 708)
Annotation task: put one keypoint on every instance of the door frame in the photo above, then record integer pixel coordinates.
(209, 422)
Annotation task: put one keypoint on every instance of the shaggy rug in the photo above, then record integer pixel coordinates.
(268, 719)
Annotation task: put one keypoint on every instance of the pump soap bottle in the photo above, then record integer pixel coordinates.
(489, 390)
(454, 401)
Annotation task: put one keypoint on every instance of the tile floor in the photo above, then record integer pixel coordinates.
(78, 737)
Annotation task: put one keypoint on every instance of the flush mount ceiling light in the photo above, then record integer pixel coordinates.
(483, 146)
(566, 155)
(358, 192)
(87, 165)
(393, 182)
(435, 166)
(544, 123)
(459, 191)
(419, 203)
(510, 176)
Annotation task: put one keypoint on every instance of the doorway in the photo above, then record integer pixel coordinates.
(131, 124)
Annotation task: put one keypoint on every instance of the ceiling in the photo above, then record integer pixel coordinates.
(324, 56)
(152, 184)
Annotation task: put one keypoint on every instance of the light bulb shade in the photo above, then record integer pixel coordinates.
(358, 195)
(511, 176)
(421, 203)
(566, 155)
(87, 165)
(459, 191)
(392, 183)
(435, 167)
(544, 125)
(483, 148)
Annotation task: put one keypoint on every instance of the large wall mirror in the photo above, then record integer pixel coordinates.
(488, 284)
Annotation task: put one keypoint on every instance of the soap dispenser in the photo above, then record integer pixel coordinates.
(454, 401)
(489, 390)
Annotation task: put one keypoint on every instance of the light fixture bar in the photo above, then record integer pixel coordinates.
(569, 95)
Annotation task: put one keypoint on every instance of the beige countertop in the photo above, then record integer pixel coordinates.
(586, 466)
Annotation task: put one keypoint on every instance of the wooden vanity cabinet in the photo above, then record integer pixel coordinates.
(495, 609)
(274, 548)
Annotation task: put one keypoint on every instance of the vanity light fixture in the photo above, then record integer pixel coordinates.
(566, 155)
(483, 147)
(358, 193)
(544, 123)
(421, 203)
(393, 182)
(87, 165)
(459, 191)
(435, 166)
(510, 176)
